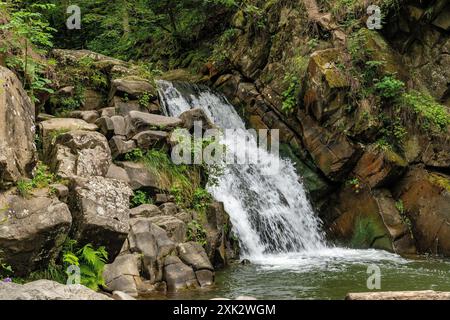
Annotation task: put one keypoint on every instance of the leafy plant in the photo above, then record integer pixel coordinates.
(201, 199)
(290, 95)
(432, 114)
(139, 198)
(389, 87)
(196, 232)
(42, 178)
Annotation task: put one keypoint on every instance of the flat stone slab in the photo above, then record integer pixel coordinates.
(400, 295)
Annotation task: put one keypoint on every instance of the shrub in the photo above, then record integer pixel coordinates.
(196, 232)
(139, 198)
(389, 87)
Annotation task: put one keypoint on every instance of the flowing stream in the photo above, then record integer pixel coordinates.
(274, 221)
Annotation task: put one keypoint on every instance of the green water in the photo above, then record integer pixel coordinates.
(329, 274)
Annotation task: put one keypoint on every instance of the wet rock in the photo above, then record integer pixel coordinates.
(100, 212)
(17, 150)
(122, 274)
(178, 276)
(205, 277)
(426, 199)
(32, 230)
(80, 153)
(192, 116)
(48, 290)
(370, 219)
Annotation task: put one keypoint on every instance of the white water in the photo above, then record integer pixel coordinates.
(271, 215)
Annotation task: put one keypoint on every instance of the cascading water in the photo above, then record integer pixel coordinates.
(270, 213)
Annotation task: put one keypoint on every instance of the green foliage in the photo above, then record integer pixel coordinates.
(180, 178)
(42, 178)
(389, 87)
(201, 199)
(145, 99)
(28, 31)
(400, 207)
(196, 232)
(290, 95)
(431, 113)
(140, 197)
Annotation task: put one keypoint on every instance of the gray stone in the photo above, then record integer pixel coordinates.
(194, 255)
(117, 173)
(133, 87)
(205, 277)
(88, 116)
(178, 276)
(139, 176)
(48, 290)
(169, 209)
(149, 139)
(121, 275)
(32, 230)
(139, 122)
(145, 211)
(100, 212)
(175, 228)
(17, 150)
(119, 146)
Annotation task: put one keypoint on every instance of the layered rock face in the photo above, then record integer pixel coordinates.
(354, 143)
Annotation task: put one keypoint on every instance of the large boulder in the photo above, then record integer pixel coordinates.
(426, 200)
(370, 219)
(100, 209)
(17, 150)
(48, 290)
(32, 230)
(139, 175)
(175, 228)
(80, 153)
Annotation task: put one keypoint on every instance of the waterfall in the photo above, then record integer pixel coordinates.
(271, 214)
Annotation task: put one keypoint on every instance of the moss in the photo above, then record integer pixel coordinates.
(367, 233)
(440, 180)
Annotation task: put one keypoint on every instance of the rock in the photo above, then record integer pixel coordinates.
(378, 167)
(123, 108)
(399, 295)
(120, 146)
(119, 295)
(150, 139)
(93, 100)
(145, 211)
(194, 255)
(205, 278)
(184, 216)
(117, 173)
(17, 150)
(48, 290)
(107, 112)
(426, 199)
(61, 191)
(122, 274)
(169, 208)
(443, 19)
(178, 276)
(50, 129)
(139, 176)
(161, 198)
(245, 298)
(153, 244)
(333, 153)
(32, 230)
(110, 126)
(80, 153)
(133, 87)
(100, 212)
(175, 228)
(370, 219)
(139, 121)
(88, 116)
(192, 116)
(327, 85)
